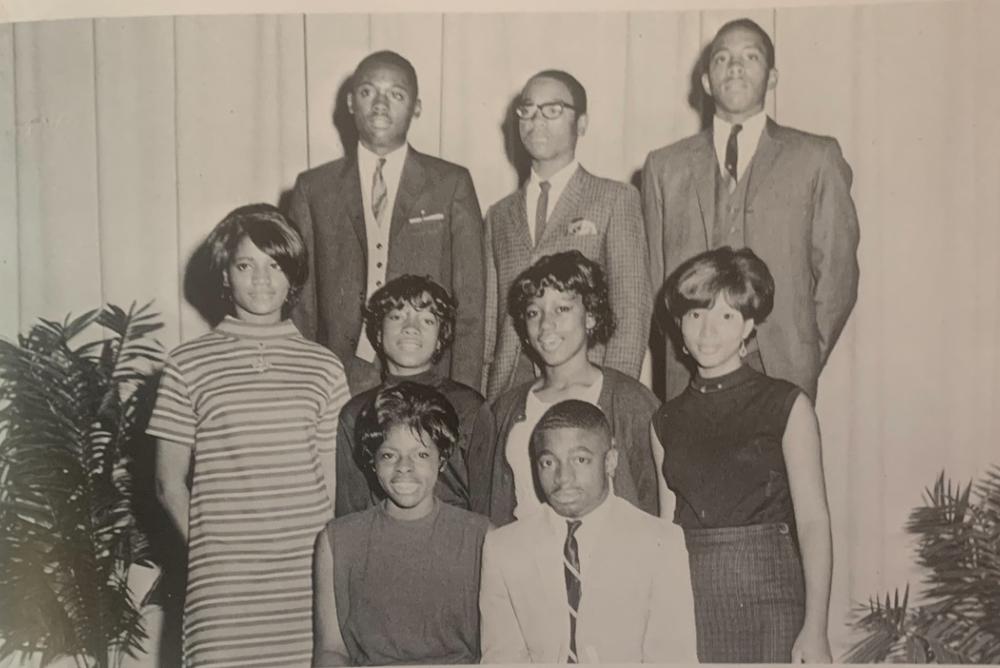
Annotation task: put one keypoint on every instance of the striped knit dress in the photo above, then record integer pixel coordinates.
(256, 404)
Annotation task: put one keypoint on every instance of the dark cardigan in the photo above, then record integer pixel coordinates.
(626, 403)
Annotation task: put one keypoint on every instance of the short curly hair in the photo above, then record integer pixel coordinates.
(569, 271)
(420, 408)
(272, 233)
(420, 292)
(739, 275)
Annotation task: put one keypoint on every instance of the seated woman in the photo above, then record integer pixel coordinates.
(398, 583)
(410, 322)
(741, 452)
(561, 310)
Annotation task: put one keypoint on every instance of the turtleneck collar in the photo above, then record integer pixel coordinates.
(429, 377)
(242, 329)
(728, 381)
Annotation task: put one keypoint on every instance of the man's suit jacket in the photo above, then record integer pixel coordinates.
(799, 218)
(436, 230)
(603, 220)
(636, 604)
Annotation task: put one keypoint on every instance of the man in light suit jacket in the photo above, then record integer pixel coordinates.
(563, 207)
(382, 212)
(748, 181)
(588, 578)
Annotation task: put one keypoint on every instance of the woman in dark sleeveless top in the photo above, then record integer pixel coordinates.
(743, 475)
(398, 583)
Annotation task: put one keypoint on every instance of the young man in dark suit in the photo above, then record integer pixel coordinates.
(383, 211)
(747, 181)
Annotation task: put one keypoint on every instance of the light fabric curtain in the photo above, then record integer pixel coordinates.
(125, 140)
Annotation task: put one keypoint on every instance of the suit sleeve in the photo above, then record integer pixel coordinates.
(304, 314)
(628, 284)
(468, 283)
(500, 634)
(670, 628)
(652, 213)
(490, 324)
(834, 249)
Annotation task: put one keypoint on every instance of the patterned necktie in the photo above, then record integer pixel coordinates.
(380, 194)
(571, 570)
(732, 156)
(541, 210)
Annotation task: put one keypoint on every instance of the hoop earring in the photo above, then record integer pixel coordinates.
(743, 348)
(684, 349)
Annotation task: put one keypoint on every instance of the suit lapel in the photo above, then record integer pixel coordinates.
(352, 202)
(519, 218)
(553, 591)
(706, 164)
(411, 184)
(566, 205)
(763, 160)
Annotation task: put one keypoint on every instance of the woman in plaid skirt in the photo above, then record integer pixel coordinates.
(743, 474)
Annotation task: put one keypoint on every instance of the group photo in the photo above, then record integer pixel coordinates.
(339, 338)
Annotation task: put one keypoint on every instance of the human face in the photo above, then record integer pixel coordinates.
(557, 324)
(573, 469)
(407, 465)
(713, 337)
(410, 338)
(383, 102)
(738, 77)
(257, 282)
(551, 143)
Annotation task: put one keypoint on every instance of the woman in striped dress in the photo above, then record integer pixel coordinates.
(249, 412)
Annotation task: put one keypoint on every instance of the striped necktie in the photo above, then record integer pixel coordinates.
(571, 570)
(380, 193)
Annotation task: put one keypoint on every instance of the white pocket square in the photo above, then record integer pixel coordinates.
(582, 227)
(425, 217)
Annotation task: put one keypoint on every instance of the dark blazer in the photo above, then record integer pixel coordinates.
(800, 219)
(614, 238)
(327, 206)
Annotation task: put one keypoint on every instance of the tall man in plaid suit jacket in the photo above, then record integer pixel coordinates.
(562, 207)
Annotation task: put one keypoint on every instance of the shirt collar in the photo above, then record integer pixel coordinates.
(367, 159)
(590, 524)
(558, 181)
(747, 139)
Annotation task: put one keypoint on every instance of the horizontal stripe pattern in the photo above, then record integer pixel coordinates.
(257, 405)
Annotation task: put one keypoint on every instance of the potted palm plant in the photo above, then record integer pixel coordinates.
(958, 619)
(74, 397)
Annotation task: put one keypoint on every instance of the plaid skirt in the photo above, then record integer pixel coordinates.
(749, 593)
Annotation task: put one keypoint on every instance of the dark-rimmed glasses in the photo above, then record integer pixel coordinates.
(550, 110)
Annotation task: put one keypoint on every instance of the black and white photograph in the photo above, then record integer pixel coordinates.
(369, 333)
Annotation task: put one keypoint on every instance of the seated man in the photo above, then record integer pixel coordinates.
(588, 578)
(410, 323)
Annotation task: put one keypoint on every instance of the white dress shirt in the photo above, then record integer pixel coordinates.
(746, 141)
(557, 183)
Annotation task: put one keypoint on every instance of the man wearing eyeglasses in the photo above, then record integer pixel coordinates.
(563, 207)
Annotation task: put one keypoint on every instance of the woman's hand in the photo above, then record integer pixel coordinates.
(811, 646)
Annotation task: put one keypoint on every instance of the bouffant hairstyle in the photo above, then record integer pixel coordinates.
(272, 233)
(569, 271)
(739, 275)
(420, 408)
(420, 292)
(569, 414)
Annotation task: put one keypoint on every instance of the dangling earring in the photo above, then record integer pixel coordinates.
(743, 348)
(685, 350)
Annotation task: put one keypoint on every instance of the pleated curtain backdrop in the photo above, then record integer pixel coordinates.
(126, 140)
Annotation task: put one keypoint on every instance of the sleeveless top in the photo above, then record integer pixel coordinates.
(408, 591)
(722, 450)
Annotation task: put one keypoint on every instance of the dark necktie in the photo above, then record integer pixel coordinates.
(732, 156)
(541, 210)
(571, 569)
(380, 193)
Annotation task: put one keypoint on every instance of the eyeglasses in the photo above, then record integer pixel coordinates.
(550, 110)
